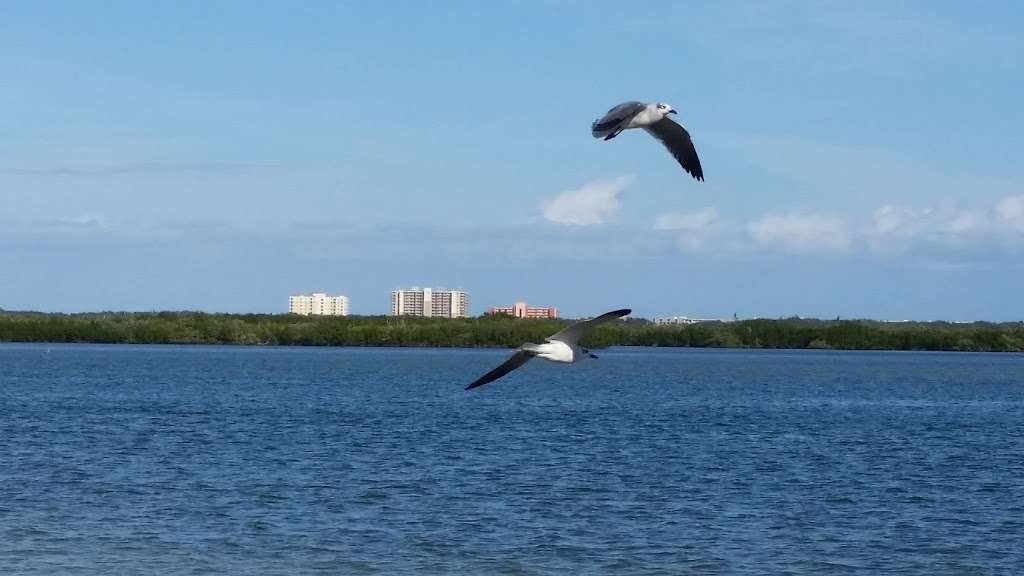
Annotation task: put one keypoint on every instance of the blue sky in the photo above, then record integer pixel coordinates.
(861, 160)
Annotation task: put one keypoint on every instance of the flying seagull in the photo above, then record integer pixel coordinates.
(560, 347)
(654, 118)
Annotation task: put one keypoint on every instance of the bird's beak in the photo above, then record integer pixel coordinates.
(672, 111)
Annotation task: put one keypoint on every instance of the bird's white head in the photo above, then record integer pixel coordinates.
(665, 109)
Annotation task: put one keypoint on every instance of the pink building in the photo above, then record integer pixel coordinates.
(521, 310)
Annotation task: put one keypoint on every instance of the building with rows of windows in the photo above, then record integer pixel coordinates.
(521, 310)
(318, 304)
(430, 302)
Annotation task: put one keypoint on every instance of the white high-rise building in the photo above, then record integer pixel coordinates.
(318, 304)
(429, 302)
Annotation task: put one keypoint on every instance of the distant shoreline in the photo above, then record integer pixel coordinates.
(498, 332)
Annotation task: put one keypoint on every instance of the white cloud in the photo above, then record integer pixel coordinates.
(896, 221)
(899, 227)
(690, 221)
(692, 229)
(967, 222)
(801, 233)
(944, 230)
(593, 203)
(1010, 210)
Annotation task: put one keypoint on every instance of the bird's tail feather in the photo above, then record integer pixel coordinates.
(606, 130)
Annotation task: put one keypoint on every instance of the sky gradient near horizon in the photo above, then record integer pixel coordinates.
(861, 160)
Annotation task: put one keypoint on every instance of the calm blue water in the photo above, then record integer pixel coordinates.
(184, 460)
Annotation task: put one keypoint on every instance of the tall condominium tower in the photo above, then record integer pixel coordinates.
(429, 302)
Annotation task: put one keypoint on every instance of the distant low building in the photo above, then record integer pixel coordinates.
(666, 320)
(318, 304)
(429, 302)
(521, 310)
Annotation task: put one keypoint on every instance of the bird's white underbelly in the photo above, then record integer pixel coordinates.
(646, 117)
(556, 352)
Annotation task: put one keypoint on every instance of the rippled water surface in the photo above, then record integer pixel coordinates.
(185, 460)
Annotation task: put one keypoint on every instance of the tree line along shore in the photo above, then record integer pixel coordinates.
(498, 331)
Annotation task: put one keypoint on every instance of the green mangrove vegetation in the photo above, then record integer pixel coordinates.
(497, 331)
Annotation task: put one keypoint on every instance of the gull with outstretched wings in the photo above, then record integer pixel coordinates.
(654, 119)
(563, 346)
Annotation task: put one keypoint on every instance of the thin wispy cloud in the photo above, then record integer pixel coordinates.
(689, 221)
(84, 222)
(131, 168)
(943, 232)
(593, 203)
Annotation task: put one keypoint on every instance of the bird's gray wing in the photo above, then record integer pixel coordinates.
(571, 334)
(514, 361)
(678, 142)
(615, 117)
